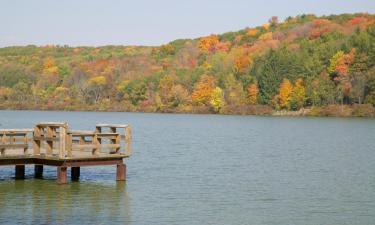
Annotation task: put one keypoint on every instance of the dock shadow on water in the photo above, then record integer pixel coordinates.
(41, 201)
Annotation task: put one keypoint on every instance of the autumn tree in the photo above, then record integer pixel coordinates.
(285, 93)
(339, 70)
(298, 95)
(203, 90)
(96, 87)
(217, 99)
(242, 63)
(208, 43)
(252, 93)
(234, 92)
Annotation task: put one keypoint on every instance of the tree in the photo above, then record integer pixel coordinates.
(234, 93)
(217, 99)
(203, 90)
(208, 43)
(285, 93)
(96, 86)
(252, 92)
(298, 96)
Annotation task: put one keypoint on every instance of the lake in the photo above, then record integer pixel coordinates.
(207, 169)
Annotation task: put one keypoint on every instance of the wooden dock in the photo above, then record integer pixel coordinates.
(54, 144)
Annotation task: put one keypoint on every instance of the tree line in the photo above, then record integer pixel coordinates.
(303, 62)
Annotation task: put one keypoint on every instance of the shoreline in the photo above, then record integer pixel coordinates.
(340, 111)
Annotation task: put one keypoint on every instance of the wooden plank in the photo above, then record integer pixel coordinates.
(16, 130)
(50, 139)
(14, 146)
(108, 135)
(81, 132)
(51, 124)
(112, 125)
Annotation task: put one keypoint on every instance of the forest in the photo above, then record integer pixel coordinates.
(322, 66)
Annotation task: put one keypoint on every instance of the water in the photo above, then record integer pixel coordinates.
(207, 169)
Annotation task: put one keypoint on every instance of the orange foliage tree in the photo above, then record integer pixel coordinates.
(242, 63)
(252, 92)
(203, 90)
(208, 43)
(340, 63)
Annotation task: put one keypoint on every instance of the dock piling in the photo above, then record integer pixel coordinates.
(20, 172)
(38, 171)
(121, 172)
(62, 176)
(75, 173)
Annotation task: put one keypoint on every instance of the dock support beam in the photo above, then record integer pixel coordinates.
(75, 172)
(62, 176)
(20, 172)
(38, 171)
(121, 172)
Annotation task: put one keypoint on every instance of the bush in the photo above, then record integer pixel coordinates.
(364, 110)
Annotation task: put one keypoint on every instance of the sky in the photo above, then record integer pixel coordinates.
(141, 22)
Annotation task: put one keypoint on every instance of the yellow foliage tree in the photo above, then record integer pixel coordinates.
(298, 96)
(208, 43)
(98, 80)
(96, 87)
(266, 36)
(217, 99)
(49, 66)
(203, 90)
(285, 92)
(266, 26)
(252, 92)
(252, 32)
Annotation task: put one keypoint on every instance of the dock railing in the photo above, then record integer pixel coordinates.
(12, 139)
(56, 140)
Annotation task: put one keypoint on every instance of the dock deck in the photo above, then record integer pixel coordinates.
(54, 144)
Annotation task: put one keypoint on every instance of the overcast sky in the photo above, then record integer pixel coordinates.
(141, 22)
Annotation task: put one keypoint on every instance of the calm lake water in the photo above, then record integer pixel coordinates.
(207, 169)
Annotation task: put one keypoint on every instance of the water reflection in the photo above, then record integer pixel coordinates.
(44, 202)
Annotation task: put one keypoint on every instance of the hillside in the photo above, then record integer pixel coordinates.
(303, 62)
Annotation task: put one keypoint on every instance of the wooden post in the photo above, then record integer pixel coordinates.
(3, 141)
(38, 171)
(128, 139)
(25, 140)
(121, 172)
(20, 172)
(75, 173)
(36, 143)
(49, 147)
(62, 142)
(95, 142)
(69, 140)
(62, 176)
(81, 142)
(113, 140)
